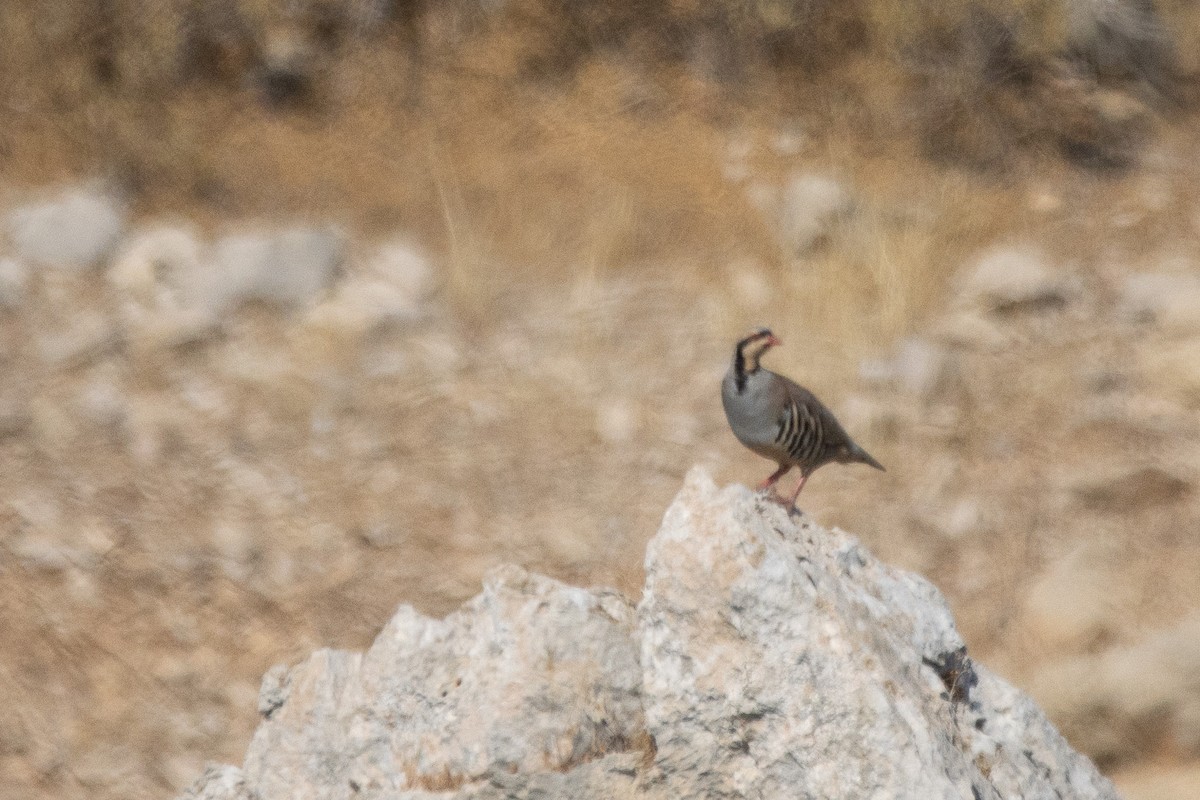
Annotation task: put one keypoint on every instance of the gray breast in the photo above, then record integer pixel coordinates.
(751, 415)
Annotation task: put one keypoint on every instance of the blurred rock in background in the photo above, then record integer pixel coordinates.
(308, 309)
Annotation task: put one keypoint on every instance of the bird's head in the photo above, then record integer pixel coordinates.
(751, 348)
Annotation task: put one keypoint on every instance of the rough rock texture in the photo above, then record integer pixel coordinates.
(783, 660)
(768, 658)
(433, 702)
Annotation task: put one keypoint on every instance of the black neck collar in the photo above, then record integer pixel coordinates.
(742, 369)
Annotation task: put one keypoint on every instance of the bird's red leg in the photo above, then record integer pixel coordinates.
(774, 478)
(795, 494)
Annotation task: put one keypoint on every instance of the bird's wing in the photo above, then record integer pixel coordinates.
(796, 430)
(780, 400)
(828, 436)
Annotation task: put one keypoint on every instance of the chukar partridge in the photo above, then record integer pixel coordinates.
(781, 420)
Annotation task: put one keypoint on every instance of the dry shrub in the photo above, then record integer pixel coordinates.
(465, 119)
(1122, 40)
(983, 82)
(998, 83)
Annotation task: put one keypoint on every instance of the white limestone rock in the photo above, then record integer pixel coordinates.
(393, 287)
(154, 275)
(783, 660)
(219, 782)
(805, 210)
(768, 658)
(530, 676)
(1169, 300)
(75, 230)
(288, 268)
(916, 366)
(1011, 278)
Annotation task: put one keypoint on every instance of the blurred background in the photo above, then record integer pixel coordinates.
(311, 308)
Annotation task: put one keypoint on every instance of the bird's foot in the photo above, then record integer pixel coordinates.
(773, 478)
(787, 504)
(774, 497)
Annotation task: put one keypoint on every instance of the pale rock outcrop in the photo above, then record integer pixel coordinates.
(74, 230)
(916, 366)
(1171, 300)
(393, 287)
(767, 658)
(153, 273)
(530, 676)
(782, 660)
(288, 268)
(1013, 278)
(804, 211)
(220, 782)
(810, 207)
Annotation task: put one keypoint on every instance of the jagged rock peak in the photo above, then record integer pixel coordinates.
(768, 658)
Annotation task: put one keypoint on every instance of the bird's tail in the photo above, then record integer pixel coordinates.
(857, 454)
